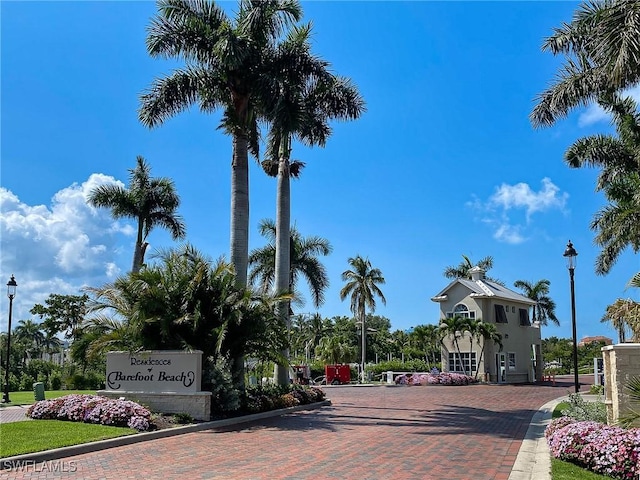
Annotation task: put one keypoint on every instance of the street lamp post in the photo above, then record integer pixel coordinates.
(570, 254)
(11, 292)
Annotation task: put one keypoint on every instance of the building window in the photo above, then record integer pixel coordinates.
(524, 317)
(501, 316)
(462, 311)
(512, 361)
(513, 309)
(468, 362)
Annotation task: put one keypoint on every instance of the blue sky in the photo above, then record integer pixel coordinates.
(445, 161)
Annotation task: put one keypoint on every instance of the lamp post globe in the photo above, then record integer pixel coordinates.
(11, 293)
(570, 254)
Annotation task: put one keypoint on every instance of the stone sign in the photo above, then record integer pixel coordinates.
(154, 371)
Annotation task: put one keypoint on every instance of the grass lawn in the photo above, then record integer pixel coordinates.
(40, 435)
(27, 398)
(557, 412)
(568, 471)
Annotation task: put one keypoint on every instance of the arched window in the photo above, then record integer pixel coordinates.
(463, 311)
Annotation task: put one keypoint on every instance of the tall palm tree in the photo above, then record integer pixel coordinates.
(152, 202)
(487, 333)
(305, 97)
(545, 308)
(225, 70)
(601, 46)
(304, 262)
(362, 286)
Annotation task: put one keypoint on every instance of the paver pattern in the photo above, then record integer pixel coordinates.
(377, 433)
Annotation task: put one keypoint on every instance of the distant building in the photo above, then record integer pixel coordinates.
(598, 338)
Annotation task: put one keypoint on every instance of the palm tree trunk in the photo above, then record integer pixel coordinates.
(240, 208)
(283, 260)
(239, 230)
(364, 341)
(480, 360)
(138, 252)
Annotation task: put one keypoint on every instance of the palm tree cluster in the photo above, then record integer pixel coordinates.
(185, 301)
(458, 327)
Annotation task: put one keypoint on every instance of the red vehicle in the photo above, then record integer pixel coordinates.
(337, 374)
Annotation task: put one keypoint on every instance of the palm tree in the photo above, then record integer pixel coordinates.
(305, 97)
(152, 202)
(487, 332)
(545, 308)
(462, 270)
(455, 327)
(617, 224)
(334, 349)
(31, 334)
(362, 286)
(304, 262)
(624, 315)
(602, 49)
(427, 339)
(226, 70)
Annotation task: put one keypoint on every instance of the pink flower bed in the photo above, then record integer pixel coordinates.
(603, 449)
(92, 409)
(435, 379)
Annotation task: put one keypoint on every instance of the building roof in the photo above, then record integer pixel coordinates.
(483, 288)
(599, 338)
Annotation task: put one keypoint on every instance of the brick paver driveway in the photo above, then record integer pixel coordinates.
(430, 432)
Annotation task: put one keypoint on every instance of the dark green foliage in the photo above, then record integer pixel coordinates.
(217, 379)
(398, 366)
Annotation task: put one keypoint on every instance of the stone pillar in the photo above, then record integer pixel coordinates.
(621, 363)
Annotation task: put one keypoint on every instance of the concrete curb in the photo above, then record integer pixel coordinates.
(63, 452)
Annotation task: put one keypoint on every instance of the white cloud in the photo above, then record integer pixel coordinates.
(522, 196)
(503, 210)
(595, 113)
(69, 239)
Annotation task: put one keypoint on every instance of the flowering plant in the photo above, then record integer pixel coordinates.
(92, 409)
(443, 378)
(604, 449)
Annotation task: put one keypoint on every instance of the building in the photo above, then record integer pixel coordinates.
(590, 340)
(520, 359)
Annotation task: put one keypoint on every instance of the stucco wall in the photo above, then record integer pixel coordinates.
(515, 338)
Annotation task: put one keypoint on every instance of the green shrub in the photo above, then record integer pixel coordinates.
(582, 411)
(26, 382)
(55, 381)
(183, 418)
(217, 380)
(399, 366)
(596, 390)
